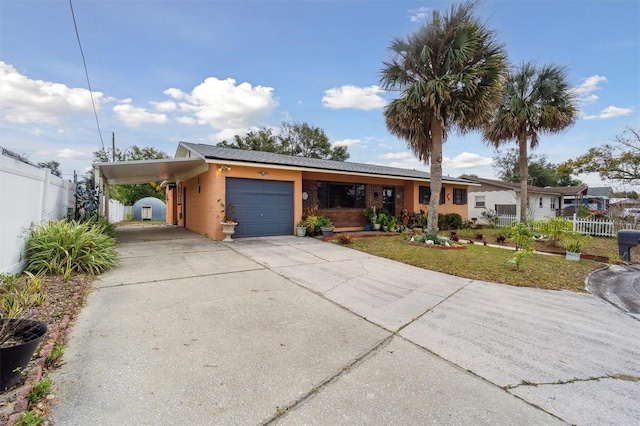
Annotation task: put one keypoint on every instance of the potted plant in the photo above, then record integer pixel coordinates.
(326, 226)
(370, 213)
(574, 243)
(301, 229)
(19, 335)
(229, 221)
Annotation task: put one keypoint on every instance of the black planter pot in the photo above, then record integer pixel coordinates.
(14, 359)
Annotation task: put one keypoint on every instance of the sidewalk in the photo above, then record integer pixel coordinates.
(299, 331)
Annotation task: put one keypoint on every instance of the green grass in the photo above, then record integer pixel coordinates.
(485, 263)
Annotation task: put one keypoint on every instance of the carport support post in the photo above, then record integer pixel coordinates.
(103, 192)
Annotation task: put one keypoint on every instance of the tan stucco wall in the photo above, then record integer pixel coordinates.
(412, 199)
(203, 211)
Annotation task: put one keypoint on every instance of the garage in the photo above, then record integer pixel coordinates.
(262, 207)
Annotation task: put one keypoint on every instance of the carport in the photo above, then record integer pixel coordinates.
(143, 171)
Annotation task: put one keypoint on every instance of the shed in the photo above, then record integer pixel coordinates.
(149, 208)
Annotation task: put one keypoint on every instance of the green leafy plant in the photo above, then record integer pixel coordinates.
(554, 228)
(519, 256)
(583, 212)
(370, 214)
(521, 235)
(39, 390)
(575, 243)
(61, 248)
(29, 418)
(56, 354)
(16, 301)
(491, 217)
(323, 221)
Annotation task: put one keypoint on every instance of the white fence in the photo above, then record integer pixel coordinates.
(118, 211)
(29, 195)
(590, 226)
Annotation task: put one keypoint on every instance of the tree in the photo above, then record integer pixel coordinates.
(619, 162)
(54, 166)
(448, 75)
(541, 172)
(299, 139)
(129, 194)
(533, 101)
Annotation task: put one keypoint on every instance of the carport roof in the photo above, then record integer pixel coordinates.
(210, 152)
(145, 171)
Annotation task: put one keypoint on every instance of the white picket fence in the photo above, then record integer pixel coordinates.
(590, 226)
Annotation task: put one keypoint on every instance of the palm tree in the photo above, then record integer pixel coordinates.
(448, 74)
(534, 101)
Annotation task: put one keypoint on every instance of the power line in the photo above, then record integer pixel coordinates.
(86, 73)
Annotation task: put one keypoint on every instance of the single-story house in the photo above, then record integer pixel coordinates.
(595, 198)
(269, 192)
(504, 198)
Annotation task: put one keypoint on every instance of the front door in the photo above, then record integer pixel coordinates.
(389, 200)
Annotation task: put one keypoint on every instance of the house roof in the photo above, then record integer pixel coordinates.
(515, 186)
(603, 191)
(211, 152)
(571, 190)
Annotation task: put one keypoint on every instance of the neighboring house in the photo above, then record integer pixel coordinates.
(269, 192)
(596, 198)
(504, 198)
(149, 208)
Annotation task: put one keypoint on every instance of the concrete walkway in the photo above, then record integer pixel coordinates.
(298, 331)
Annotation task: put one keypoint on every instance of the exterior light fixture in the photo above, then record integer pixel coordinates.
(263, 173)
(224, 168)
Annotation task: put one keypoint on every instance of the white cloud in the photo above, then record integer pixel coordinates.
(348, 96)
(165, 106)
(419, 14)
(224, 106)
(610, 112)
(347, 142)
(590, 84)
(25, 100)
(396, 155)
(466, 160)
(71, 154)
(134, 117)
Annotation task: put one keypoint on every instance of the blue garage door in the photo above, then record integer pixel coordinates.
(263, 207)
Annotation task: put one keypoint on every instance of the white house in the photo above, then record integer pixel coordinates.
(504, 198)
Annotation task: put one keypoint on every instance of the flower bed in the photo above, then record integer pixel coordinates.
(454, 246)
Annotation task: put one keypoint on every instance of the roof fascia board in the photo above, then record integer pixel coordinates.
(334, 172)
(202, 168)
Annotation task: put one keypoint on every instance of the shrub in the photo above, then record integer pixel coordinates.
(491, 217)
(62, 247)
(554, 228)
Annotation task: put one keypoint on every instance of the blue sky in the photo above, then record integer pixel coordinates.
(202, 71)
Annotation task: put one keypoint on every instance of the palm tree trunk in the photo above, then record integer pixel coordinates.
(436, 176)
(524, 178)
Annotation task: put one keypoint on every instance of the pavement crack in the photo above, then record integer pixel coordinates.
(281, 411)
(617, 376)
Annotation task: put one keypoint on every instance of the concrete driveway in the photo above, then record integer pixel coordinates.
(298, 331)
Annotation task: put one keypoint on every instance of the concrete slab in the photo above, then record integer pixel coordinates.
(148, 232)
(384, 292)
(159, 248)
(618, 285)
(605, 401)
(509, 334)
(163, 267)
(405, 385)
(222, 349)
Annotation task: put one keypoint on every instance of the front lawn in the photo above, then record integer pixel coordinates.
(485, 263)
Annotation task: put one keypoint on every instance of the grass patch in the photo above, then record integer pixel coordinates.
(484, 263)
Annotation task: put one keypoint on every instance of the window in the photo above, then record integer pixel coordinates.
(179, 194)
(459, 196)
(198, 185)
(346, 195)
(540, 202)
(424, 193)
(506, 209)
(552, 204)
(480, 201)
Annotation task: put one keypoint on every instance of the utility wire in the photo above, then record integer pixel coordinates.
(86, 73)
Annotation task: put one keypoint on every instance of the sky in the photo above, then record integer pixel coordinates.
(162, 72)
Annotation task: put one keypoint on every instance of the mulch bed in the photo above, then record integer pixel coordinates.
(63, 304)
